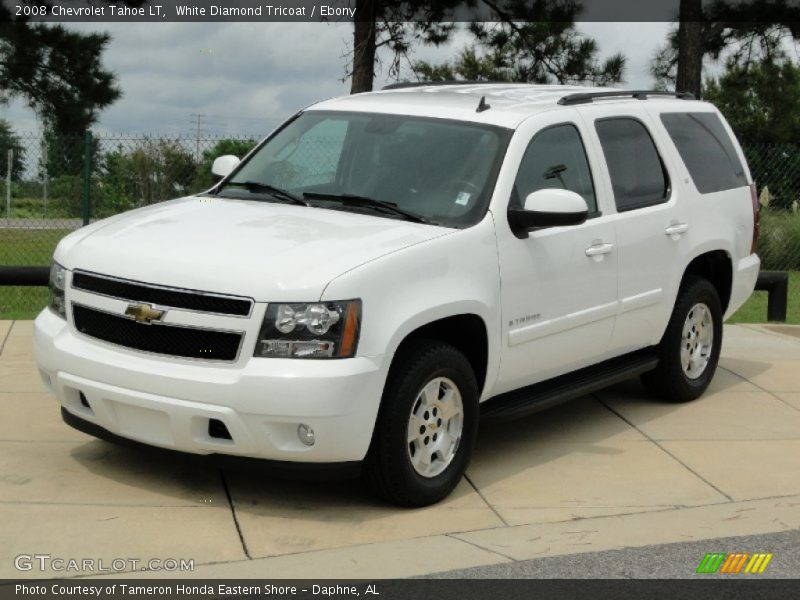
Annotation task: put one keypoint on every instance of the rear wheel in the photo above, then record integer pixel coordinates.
(426, 427)
(689, 351)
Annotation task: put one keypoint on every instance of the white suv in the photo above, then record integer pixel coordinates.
(387, 267)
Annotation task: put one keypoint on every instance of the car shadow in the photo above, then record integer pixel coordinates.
(542, 437)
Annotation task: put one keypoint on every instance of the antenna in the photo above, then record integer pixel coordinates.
(482, 106)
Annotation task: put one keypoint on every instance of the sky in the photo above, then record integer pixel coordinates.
(244, 78)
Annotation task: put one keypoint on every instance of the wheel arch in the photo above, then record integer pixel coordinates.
(715, 266)
(467, 332)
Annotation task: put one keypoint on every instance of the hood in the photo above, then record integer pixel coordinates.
(263, 250)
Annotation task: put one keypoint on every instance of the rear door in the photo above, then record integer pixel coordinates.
(652, 224)
(714, 171)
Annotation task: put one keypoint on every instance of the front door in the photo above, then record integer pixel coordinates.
(559, 285)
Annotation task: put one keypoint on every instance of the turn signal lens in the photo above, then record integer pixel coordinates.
(352, 318)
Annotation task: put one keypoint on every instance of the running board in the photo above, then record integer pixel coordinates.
(531, 399)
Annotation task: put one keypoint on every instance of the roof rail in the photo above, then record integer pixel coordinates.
(412, 84)
(586, 97)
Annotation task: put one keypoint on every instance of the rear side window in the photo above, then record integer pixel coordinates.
(706, 150)
(637, 173)
(555, 158)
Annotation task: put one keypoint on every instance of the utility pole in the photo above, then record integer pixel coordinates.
(199, 121)
(8, 186)
(45, 174)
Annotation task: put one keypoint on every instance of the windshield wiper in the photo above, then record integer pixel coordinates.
(257, 186)
(369, 203)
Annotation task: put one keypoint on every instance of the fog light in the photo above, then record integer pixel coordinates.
(306, 434)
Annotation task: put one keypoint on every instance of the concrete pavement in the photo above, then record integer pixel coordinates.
(610, 471)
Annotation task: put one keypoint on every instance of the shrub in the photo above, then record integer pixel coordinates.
(66, 192)
(779, 240)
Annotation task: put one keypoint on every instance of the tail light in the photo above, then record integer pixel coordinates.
(756, 208)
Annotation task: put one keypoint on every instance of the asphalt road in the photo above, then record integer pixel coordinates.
(667, 561)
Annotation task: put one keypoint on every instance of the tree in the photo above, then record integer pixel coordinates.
(156, 170)
(10, 141)
(58, 72)
(522, 49)
(532, 41)
(203, 179)
(60, 75)
(759, 100)
(689, 49)
(62, 153)
(396, 26)
(749, 29)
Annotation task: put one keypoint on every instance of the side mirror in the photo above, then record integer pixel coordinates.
(548, 208)
(223, 165)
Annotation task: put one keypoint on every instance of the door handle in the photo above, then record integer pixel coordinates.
(676, 230)
(597, 251)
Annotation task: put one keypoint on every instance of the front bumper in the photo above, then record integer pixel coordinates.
(168, 402)
(317, 471)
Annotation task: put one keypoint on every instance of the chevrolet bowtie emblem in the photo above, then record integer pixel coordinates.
(144, 313)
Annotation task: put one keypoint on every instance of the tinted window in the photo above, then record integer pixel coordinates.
(555, 158)
(636, 171)
(706, 150)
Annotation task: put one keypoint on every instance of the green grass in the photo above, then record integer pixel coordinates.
(25, 247)
(34, 208)
(21, 302)
(755, 309)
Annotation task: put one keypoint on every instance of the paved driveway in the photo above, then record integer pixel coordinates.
(609, 471)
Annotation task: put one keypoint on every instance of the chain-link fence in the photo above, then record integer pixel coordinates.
(776, 171)
(53, 184)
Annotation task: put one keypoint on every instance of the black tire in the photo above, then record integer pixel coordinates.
(388, 470)
(668, 380)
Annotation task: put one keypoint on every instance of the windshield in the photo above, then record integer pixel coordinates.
(440, 170)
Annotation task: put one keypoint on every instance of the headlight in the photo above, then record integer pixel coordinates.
(316, 330)
(58, 276)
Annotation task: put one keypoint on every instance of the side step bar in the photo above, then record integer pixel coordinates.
(531, 399)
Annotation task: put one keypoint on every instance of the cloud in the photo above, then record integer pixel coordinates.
(247, 77)
(637, 41)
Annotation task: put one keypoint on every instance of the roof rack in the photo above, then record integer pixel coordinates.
(586, 97)
(412, 84)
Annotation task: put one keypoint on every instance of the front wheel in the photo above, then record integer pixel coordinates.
(426, 427)
(689, 351)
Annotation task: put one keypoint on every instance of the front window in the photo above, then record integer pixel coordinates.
(556, 158)
(440, 170)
